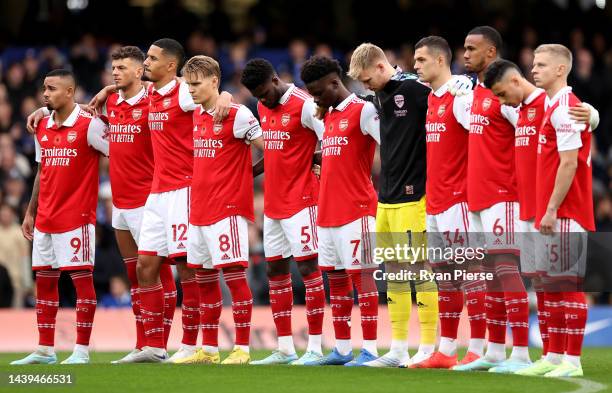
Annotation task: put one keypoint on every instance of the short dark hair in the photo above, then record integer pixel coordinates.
(173, 48)
(62, 73)
(318, 67)
(128, 52)
(436, 44)
(490, 34)
(256, 72)
(496, 71)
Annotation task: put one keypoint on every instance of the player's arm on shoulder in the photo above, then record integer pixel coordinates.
(35, 117)
(185, 100)
(510, 113)
(462, 107)
(247, 127)
(460, 85)
(420, 94)
(97, 135)
(370, 121)
(585, 113)
(310, 119)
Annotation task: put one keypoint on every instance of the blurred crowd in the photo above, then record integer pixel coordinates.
(21, 73)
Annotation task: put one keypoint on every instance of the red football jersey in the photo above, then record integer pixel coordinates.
(446, 124)
(528, 124)
(222, 166)
(491, 173)
(349, 141)
(290, 132)
(171, 122)
(560, 133)
(131, 163)
(68, 157)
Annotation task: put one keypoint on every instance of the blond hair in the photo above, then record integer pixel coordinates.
(364, 56)
(203, 66)
(558, 51)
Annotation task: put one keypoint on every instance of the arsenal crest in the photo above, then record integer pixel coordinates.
(399, 100)
(441, 110)
(217, 127)
(136, 114)
(285, 119)
(486, 104)
(531, 114)
(72, 136)
(343, 125)
(166, 102)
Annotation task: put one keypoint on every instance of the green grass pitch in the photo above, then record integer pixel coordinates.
(100, 376)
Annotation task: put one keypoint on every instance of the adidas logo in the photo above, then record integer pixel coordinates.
(44, 138)
(112, 114)
(75, 259)
(306, 248)
(355, 262)
(225, 257)
(264, 119)
(180, 245)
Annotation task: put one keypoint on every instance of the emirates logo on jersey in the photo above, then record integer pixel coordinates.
(72, 136)
(486, 104)
(399, 100)
(285, 119)
(343, 125)
(166, 102)
(136, 114)
(441, 110)
(217, 127)
(531, 114)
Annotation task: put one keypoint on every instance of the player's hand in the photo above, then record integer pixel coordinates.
(33, 119)
(97, 102)
(27, 227)
(460, 85)
(222, 107)
(580, 113)
(316, 169)
(547, 225)
(89, 109)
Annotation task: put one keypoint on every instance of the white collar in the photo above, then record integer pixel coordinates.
(134, 100)
(166, 88)
(69, 122)
(285, 97)
(534, 94)
(342, 106)
(550, 101)
(204, 110)
(441, 90)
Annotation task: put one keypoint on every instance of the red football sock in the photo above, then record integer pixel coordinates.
(341, 301)
(315, 302)
(152, 311)
(517, 309)
(130, 266)
(496, 316)
(47, 303)
(450, 304)
(542, 318)
(554, 303)
(211, 304)
(190, 311)
(242, 303)
(576, 311)
(169, 290)
(281, 303)
(475, 303)
(85, 304)
(367, 294)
